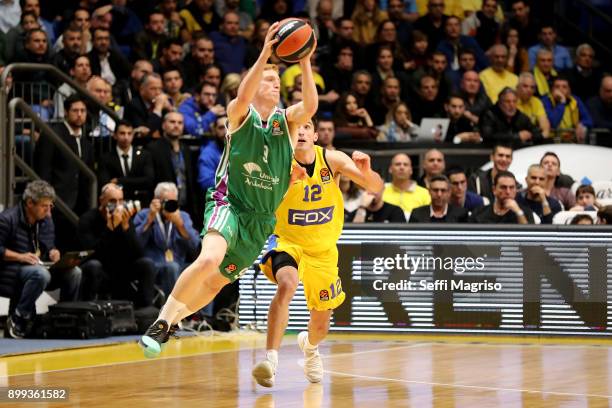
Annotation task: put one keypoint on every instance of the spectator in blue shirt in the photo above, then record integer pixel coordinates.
(460, 195)
(548, 39)
(454, 41)
(230, 47)
(210, 155)
(167, 235)
(534, 196)
(201, 109)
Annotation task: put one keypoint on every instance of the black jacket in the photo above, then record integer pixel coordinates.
(69, 182)
(118, 63)
(494, 127)
(18, 236)
(138, 114)
(138, 184)
(453, 214)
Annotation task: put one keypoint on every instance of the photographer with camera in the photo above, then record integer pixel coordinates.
(167, 235)
(118, 258)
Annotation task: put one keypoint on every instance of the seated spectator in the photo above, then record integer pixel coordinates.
(497, 77)
(174, 22)
(102, 125)
(230, 47)
(557, 185)
(147, 43)
(600, 107)
(212, 73)
(504, 209)
(80, 71)
(27, 239)
(482, 25)
(338, 75)
(417, 55)
(367, 16)
(432, 24)
(107, 62)
(117, 261)
(440, 209)
(585, 199)
(147, 108)
(505, 123)
(202, 54)
(229, 88)
(34, 7)
(388, 98)
(402, 190)
(383, 69)
(584, 77)
(567, 114)
(128, 88)
(429, 103)
(173, 83)
(167, 235)
(454, 41)
(386, 36)
(201, 110)
(460, 129)
(481, 182)
(79, 20)
(361, 87)
(373, 209)
(210, 154)
(246, 26)
(530, 105)
(326, 132)
(353, 120)
(476, 100)
(36, 52)
(534, 196)
(582, 219)
(433, 165)
(172, 161)
(604, 216)
(127, 166)
(15, 37)
(467, 62)
(437, 68)
(548, 41)
(524, 21)
(289, 76)
(170, 56)
(64, 58)
(198, 16)
(543, 72)
(351, 195)
(460, 196)
(518, 58)
(397, 127)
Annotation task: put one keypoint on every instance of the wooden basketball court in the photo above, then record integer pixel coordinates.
(360, 371)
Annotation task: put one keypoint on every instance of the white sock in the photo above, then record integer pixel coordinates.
(171, 310)
(183, 314)
(308, 346)
(272, 356)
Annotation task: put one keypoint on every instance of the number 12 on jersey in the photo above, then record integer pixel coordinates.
(315, 193)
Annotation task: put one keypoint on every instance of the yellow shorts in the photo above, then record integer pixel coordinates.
(318, 272)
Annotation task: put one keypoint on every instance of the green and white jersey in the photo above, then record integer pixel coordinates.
(253, 174)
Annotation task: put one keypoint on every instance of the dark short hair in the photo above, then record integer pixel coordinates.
(168, 42)
(606, 214)
(501, 145)
(581, 217)
(439, 177)
(73, 62)
(71, 100)
(553, 154)
(124, 123)
(585, 189)
(467, 51)
(201, 85)
(455, 170)
(33, 31)
(503, 174)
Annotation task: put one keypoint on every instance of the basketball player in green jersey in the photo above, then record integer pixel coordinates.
(251, 180)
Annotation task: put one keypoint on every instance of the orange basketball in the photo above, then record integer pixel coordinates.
(295, 40)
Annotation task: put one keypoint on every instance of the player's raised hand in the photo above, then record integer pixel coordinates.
(297, 173)
(270, 39)
(361, 160)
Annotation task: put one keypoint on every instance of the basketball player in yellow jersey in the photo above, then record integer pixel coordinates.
(303, 247)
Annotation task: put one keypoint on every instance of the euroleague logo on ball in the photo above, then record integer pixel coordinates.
(286, 27)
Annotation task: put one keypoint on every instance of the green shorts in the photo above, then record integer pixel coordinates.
(245, 234)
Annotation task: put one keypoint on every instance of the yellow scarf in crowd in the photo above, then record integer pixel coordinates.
(541, 82)
(570, 115)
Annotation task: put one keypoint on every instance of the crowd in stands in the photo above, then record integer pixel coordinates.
(497, 71)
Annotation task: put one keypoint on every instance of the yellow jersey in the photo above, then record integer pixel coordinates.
(312, 213)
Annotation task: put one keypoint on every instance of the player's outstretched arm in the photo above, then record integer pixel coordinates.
(238, 108)
(358, 169)
(301, 112)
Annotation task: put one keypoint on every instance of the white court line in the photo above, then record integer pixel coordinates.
(523, 345)
(477, 387)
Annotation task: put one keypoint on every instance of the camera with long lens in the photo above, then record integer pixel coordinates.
(130, 205)
(170, 205)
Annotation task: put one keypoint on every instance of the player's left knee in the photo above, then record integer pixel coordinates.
(320, 326)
